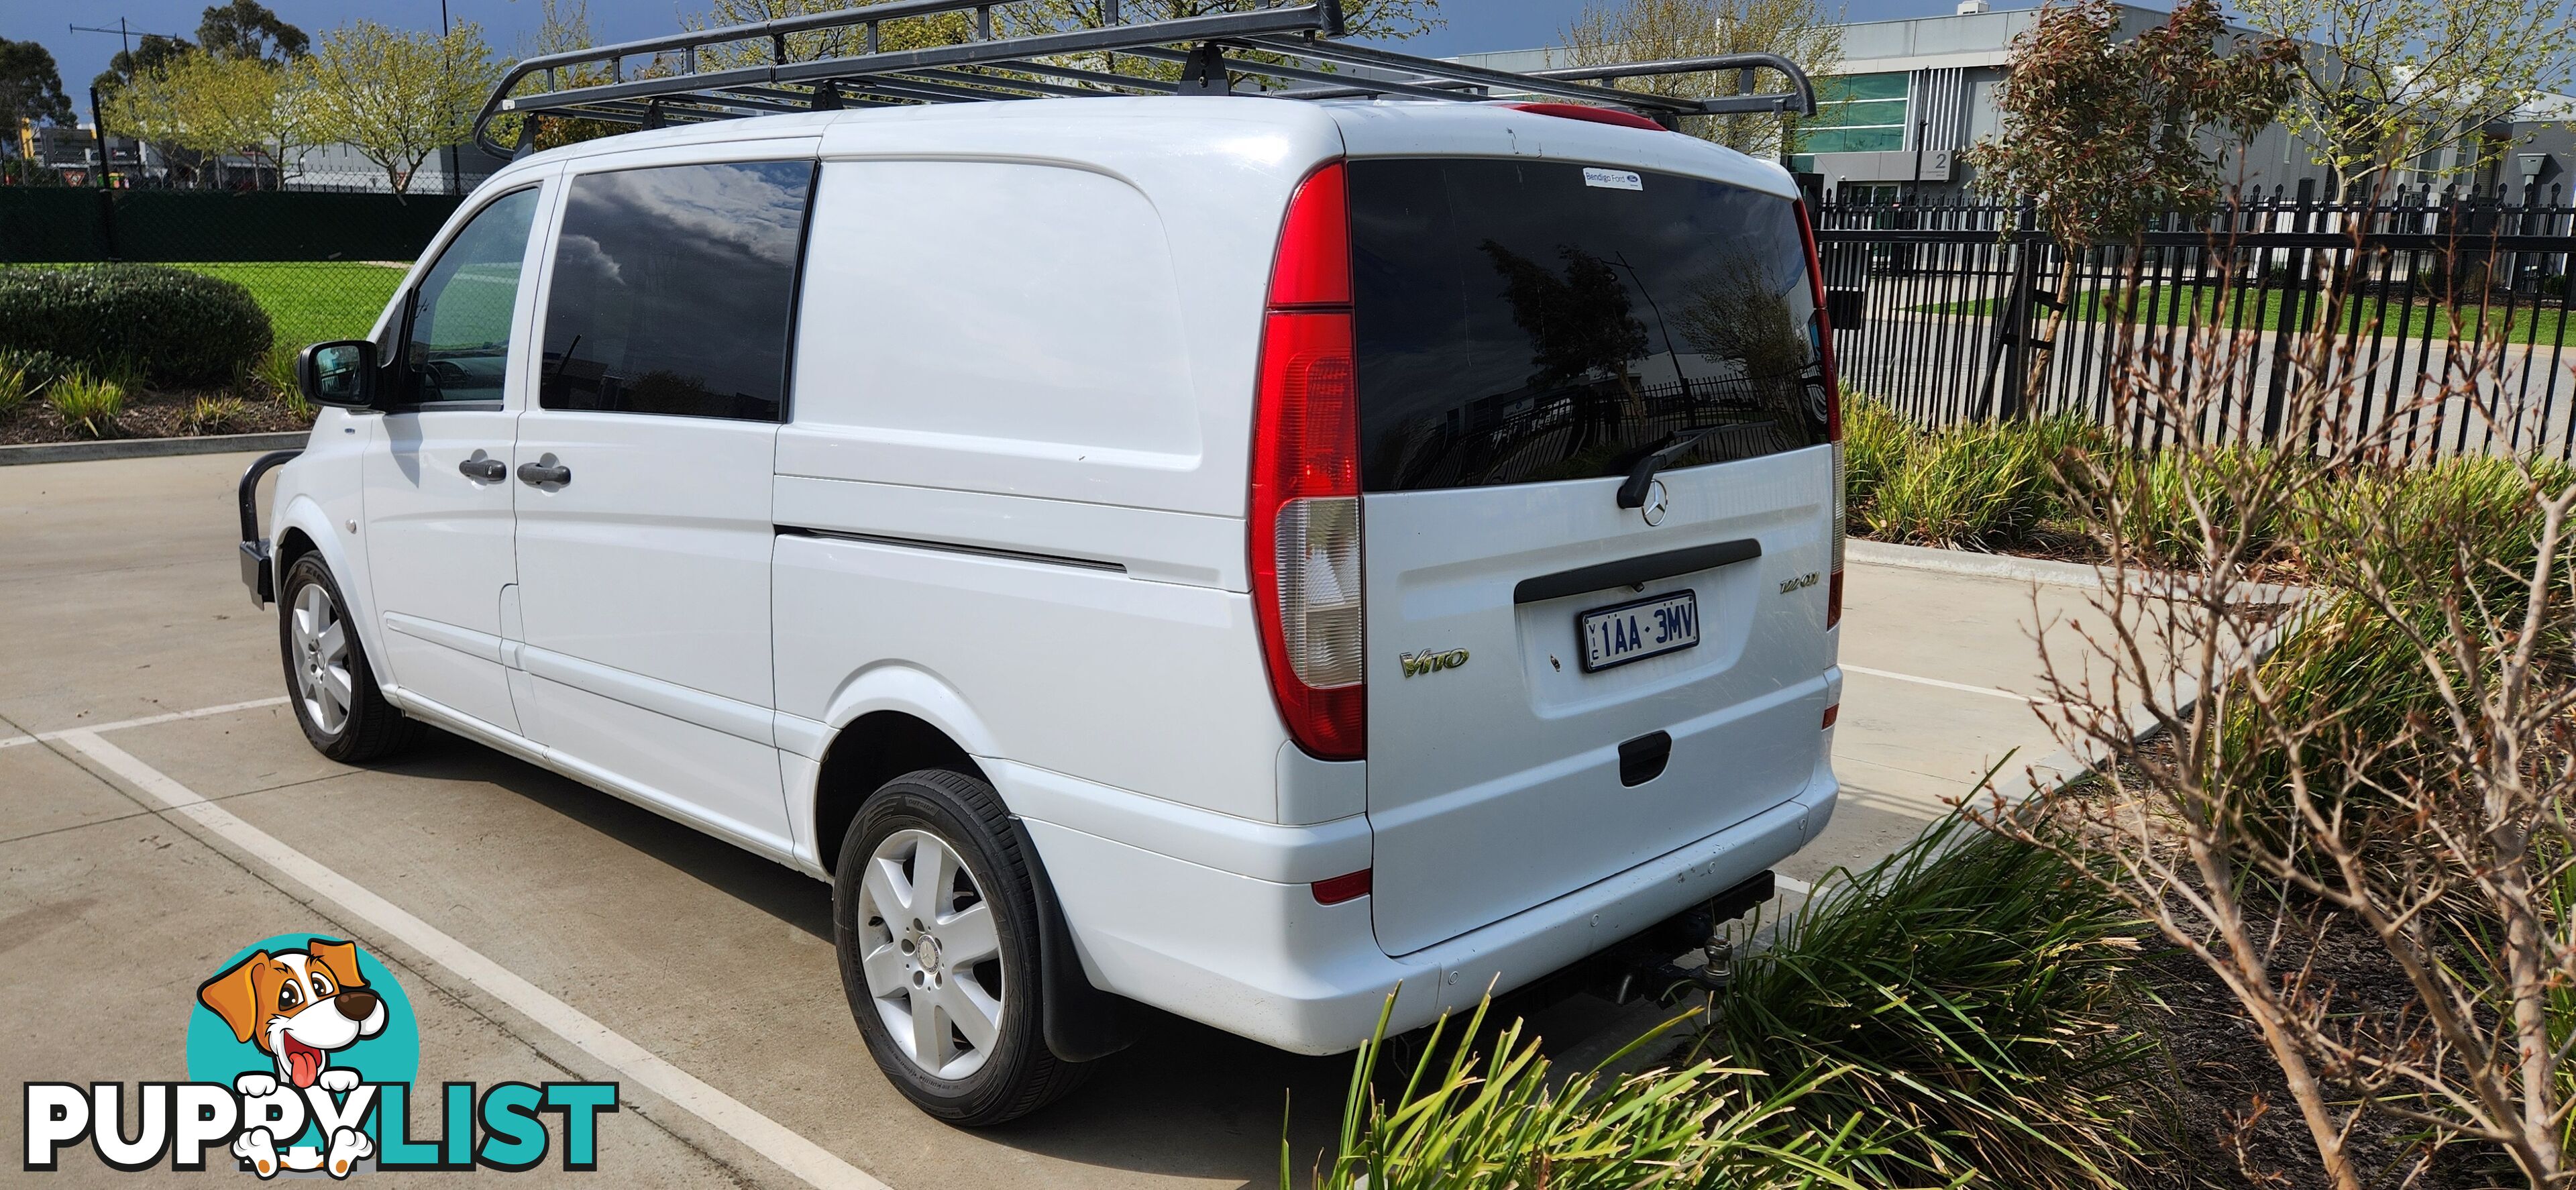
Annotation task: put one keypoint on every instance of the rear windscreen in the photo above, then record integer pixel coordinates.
(1522, 321)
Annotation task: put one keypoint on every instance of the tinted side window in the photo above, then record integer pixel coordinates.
(673, 290)
(459, 346)
(1522, 321)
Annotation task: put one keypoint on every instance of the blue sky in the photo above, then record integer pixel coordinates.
(1473, 25)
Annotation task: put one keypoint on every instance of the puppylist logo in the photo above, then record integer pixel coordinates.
(302, 1052)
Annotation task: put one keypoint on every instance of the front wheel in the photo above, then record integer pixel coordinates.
(344, 715)
(935, 917)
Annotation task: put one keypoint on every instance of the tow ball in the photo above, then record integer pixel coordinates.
(1645, 964)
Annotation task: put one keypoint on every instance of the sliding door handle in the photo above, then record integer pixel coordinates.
(543, 472)
(482, 469)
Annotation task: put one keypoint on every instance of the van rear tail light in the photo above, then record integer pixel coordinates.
(1317, 541)
(1822, 328)
(1304, 520)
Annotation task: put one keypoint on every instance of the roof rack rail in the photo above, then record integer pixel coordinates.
(1292, 47)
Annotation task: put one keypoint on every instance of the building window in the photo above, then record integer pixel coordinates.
(1856, 113)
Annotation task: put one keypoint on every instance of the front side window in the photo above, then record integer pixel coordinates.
(674, 289)
(458, 348)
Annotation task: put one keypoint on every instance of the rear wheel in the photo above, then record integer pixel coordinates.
(343, 714)
(935, 917)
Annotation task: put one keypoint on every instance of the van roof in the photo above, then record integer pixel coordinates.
(1355, 127)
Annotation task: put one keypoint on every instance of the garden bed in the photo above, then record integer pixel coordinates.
(161, 415)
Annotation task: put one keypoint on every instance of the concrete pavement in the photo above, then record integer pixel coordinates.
(122, 602)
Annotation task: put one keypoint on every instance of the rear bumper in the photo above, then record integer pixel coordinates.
(1259, 958)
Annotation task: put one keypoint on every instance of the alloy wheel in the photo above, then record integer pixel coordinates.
(932, 956)
(322, 677)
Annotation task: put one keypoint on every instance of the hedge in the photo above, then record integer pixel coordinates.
(168, 326)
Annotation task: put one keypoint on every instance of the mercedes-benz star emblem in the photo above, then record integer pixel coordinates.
(1658, 502)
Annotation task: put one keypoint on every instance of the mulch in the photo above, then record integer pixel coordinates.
(156, 415)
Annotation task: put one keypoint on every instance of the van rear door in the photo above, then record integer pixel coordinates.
(1559, 687)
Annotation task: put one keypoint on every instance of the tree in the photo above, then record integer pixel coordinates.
(31, 89)
(216, 105)
(2105, 134)
(1653, 30)
(152, 52)
(148, 108)
(561, 28)
(2396, 82)
(247, 29)
(398, 96)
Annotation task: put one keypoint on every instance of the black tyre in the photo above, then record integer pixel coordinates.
(328, 679)
(935, 917)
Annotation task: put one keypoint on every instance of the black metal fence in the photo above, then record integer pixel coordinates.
(1939, 307)
(322, 264)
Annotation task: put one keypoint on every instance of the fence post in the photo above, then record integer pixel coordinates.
(2014, 330)
(107, 222)
(2289, 321)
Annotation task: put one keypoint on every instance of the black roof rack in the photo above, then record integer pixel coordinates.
(1293, 48)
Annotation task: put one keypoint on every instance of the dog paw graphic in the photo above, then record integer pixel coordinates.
(338, 1079)
(348, 1145)
(254, 1084)
(257, 1147)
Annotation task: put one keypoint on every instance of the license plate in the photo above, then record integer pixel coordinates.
(1635, 631)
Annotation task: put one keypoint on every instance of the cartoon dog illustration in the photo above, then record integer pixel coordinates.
(298, 1007)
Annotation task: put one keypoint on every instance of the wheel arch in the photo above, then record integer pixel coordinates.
(865, 753)
(303, 527)
(873, 746)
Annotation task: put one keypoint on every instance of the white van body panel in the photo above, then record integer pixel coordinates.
(1516, 752)
(1028, 532)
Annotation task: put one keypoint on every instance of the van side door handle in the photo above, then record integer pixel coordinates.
(482, 469)
(539, 474)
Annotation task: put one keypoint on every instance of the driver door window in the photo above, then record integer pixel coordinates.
(457, 347)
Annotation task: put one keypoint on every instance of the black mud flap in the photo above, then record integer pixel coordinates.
(1083, 1023)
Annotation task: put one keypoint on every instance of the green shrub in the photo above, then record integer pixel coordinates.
(277, 371)
(1496, 1123)
(1976, 484)
(1975, 996)
(88, 404)
(2352, 669)
(40, 367)
(170, 326)
(1875, 441)
(2161, 490)
(215, 415)
(17, 383)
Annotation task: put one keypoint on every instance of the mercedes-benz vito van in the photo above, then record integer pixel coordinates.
(1239, 557)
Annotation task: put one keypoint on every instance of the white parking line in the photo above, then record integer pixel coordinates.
(810, 1162)
(146, 721)
(1988, 691)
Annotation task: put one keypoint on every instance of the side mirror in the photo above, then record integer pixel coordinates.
(340, 373)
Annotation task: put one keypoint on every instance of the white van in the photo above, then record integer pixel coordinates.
(1236, 556)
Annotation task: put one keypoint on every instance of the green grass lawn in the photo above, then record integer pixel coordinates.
(311, 301)
(308, 301)
(2182, 303)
